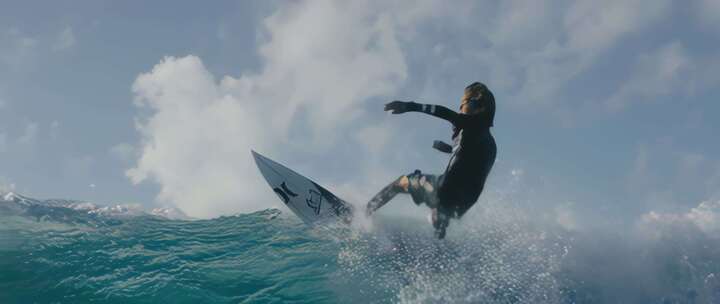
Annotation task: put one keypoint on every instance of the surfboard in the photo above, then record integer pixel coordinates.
(308, 200)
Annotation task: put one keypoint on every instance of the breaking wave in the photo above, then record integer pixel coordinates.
(57, 252)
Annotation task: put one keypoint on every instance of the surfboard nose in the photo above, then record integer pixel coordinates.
(259, 160)
(256, 155)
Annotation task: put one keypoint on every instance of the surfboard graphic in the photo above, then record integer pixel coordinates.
(308, 200)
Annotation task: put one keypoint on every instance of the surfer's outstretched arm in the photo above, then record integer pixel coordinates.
(457, 119)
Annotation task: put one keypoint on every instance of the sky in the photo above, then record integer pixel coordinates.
(605, 109)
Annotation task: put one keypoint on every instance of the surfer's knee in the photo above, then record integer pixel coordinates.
(412, 181)
(403, 182)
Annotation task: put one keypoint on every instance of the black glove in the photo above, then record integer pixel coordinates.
(398, 107)
(442, 146)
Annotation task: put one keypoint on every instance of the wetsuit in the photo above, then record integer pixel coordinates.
(472, 157)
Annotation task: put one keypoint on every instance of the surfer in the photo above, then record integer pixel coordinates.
(472, 156)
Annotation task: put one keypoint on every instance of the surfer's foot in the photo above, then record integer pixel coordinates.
(440, 222)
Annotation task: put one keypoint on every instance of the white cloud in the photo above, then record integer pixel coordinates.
(196, 145)
(537, 48)
(332, 56)
(322, 60)
(29, 135)
(594, 26)
(523, 24)
(531, 53)
(65, 39)
(705, 217)
(659, 73)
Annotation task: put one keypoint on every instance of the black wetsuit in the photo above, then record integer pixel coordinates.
(472, 158)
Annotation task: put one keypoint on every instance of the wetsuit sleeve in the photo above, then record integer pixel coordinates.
(461, 121)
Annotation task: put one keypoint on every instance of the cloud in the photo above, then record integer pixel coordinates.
(65, 39)
(705, 217)
(322, 62)
(537, 48)
(535, 55)
(196, 144)
(595, 26)
(332, 56)
(659, 73)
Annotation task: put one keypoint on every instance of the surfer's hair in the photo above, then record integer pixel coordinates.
(476, 93)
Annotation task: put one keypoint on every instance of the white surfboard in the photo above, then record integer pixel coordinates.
(308, 200)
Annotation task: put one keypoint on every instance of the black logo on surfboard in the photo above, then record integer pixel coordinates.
(314, 201)
(284, 192)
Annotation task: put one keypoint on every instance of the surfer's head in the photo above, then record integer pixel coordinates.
(475, 94)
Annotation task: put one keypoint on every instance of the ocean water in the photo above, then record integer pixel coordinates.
(52, 253)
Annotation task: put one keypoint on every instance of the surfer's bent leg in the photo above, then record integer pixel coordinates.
(386, 194)
(421, 188)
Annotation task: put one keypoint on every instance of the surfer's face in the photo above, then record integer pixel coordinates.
(468, 106)
(472, 98)
(464, 108)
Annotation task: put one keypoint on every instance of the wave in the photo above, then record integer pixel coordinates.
(63, 251)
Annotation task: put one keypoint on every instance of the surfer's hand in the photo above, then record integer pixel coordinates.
(397, 107)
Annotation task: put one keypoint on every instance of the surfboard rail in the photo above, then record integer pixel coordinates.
(311, 202)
